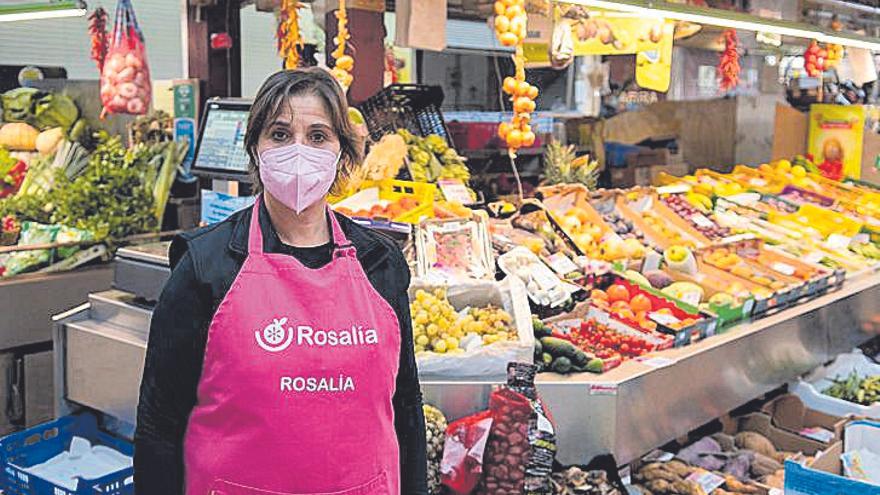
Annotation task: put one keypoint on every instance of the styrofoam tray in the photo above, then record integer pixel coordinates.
(810, 388)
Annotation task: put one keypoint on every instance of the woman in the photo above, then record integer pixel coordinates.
(280, 358)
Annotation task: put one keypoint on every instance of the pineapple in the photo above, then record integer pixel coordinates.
(561, 166)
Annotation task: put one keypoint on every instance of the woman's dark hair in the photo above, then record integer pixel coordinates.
(270, 101)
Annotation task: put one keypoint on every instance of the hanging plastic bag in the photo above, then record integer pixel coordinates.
(522, 445)
(462, 462)
(125, 77)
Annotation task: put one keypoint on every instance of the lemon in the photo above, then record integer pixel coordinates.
(433, 330)
(798, 171)
(451, 343)
(422, 340)
(440, 346)
(783, 165)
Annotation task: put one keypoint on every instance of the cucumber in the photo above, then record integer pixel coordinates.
(539, 328)
(563, 348)
(561, 365)
(539, 349)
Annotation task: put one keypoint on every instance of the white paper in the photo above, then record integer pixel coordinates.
(783, 268)
(702, 221)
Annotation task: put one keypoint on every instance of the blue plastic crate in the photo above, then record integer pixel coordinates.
(38, 444)
(615, 153)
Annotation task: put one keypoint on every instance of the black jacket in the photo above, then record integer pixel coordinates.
(205, 263)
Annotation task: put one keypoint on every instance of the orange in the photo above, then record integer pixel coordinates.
(626, 314)
(514, 138)
(522, 104)
(522, 88)
(345, 62)
(500, 8)
(513, 10)
(510, 85)
(502, 24)
(528, 138)
(533, 92)
(508, 39)
(598, 294)
(640, 303)
(618, 292)
(503, 129)
(618, 306)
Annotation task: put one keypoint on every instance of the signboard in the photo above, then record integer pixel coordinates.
(619, 34)
(836, 134)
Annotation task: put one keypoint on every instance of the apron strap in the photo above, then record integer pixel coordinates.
(255, 233)
(339, 238)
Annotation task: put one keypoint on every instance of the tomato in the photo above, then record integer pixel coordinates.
(640, 303)
(618, 292)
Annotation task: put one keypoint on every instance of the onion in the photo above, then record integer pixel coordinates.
(115, 64)
(135, 106)
(117, 104)
(107, 92)
(133, 61)
(128, 90)
(141, 79)
(126, 75)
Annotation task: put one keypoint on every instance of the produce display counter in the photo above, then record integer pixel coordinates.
(26, 303)
(627, 411)
(639, 406)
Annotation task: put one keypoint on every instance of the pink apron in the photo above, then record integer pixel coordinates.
(295, 394)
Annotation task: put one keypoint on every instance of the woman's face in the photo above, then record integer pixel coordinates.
(303, 120)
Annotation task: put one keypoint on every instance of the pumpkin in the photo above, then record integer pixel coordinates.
(18, 136)
(48, 140)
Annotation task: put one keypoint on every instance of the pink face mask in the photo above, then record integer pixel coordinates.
(298, 175)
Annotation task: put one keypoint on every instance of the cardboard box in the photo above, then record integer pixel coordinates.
(789, 413)
(790, 131)
(824, 476)
(623, 177)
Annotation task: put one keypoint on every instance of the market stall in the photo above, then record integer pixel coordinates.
(650, 331)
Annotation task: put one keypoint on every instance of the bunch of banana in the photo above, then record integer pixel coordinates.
(867, 249)
(431, 158)
(700, 201)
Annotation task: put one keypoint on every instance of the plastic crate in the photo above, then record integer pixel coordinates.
(413, 107)
(392, 190)
(40, 443)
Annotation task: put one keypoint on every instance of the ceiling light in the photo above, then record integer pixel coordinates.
(851, 41)
(729, 19)
(53, 10)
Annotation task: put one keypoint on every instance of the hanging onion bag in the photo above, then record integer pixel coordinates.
(125, 78)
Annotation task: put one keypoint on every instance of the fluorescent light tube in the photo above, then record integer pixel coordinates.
(49, 10)
(733, 20)
(46, 14)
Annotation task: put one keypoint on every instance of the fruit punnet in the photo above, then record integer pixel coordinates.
(510, 27)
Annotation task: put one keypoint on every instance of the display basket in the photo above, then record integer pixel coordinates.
(704, 325)
(727, 314)
(414, 107)
(393, 190)
(40, 443)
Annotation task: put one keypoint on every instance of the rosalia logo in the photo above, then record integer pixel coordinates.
(275, 338)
